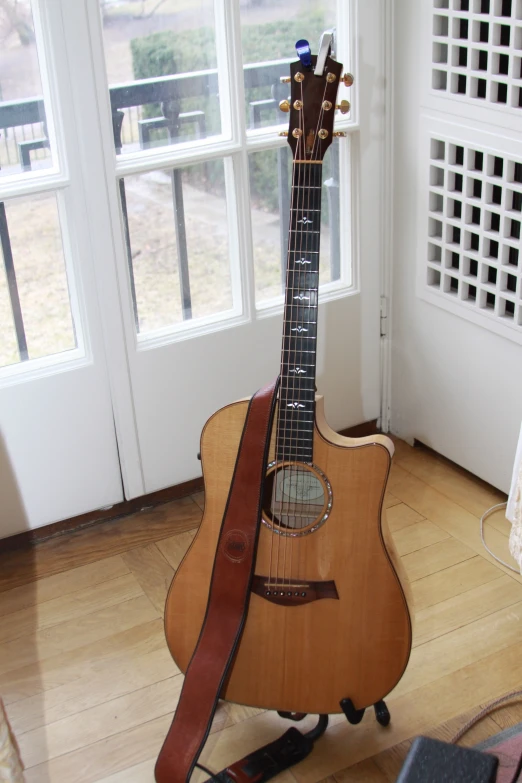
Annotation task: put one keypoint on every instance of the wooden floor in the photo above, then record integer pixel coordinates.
(90, 687)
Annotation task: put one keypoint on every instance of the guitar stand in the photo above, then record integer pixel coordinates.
(353, 716)
(313, 734)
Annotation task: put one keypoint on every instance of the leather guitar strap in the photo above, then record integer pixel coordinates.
(229, 597)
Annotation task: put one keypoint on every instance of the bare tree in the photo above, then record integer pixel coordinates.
(17, 18)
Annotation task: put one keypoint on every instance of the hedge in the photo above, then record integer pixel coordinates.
(169, 52)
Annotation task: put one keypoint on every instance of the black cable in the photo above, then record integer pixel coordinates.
(205, 769)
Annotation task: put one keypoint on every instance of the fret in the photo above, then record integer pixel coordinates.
(304, 398)
(297, 345)
(292, 304)
(299, 412)
(294, 447)
(297, 401)
(294, 454)
(294, 443)
(291, 392)
(305, 435)
(303, 421)
(303, 430)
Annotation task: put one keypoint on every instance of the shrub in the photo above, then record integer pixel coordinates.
(170, 52)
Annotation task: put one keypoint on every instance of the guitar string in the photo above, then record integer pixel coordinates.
(306, 506)
(317, 203)
(296, 384)
(280, 420)
(303, 510)
(293, 472)
(298, 354)
(290, 413)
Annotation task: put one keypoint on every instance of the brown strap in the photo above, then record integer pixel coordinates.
(229, 595)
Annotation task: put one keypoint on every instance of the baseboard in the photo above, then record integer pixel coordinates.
(128, 507)
(361, 430)
(124, 509)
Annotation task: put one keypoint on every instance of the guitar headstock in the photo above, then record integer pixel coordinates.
(312, 108)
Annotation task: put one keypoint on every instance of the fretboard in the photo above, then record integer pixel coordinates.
(295, 423)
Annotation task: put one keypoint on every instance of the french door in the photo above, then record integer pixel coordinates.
(457, 368)
(201, 243)
(171, 180)
(58, 448)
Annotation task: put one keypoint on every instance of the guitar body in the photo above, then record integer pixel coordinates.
(306, 652)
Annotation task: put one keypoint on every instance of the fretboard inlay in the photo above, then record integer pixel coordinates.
(297, 390)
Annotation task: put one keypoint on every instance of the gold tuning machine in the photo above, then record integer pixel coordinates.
(283, 133)
(344, 107)
(347, 79)
(285, 79)
(339, 134)
(284, 105)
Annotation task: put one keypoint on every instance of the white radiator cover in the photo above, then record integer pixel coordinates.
(514, 506)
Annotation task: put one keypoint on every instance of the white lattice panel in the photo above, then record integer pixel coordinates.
(471, 254)
(477, 51)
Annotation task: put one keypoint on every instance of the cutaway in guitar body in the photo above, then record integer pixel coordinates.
(307, 657)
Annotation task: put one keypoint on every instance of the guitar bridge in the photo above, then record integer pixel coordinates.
(296, 593)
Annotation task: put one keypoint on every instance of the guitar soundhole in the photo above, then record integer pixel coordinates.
(297, 498)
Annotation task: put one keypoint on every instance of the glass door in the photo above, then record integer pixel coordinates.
(198, 174)
(57, 441)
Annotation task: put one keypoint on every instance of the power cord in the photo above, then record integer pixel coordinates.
(483, 518)
(212, 775)
(491, 707)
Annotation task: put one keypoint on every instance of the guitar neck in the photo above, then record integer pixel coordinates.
(298, 360)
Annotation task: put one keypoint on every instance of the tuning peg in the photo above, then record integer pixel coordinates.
(344, 107)
(284, 105)
(339, 134)
(347, 79)
(283, 133)
(285, 79)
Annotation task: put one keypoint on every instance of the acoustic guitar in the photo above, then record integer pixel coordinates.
(328, 617)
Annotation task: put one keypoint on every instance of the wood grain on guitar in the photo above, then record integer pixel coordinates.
(328, 617)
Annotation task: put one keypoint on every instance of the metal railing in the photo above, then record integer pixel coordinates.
(130, 126)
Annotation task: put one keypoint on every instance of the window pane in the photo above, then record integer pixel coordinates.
(149, 44)
(270, 188)
(35, 312)
(269, 32)
(178, 241)
(24, 143)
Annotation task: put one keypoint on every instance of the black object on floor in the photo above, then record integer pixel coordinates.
(432, 761)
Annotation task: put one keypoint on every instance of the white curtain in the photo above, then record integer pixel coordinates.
(514, 506)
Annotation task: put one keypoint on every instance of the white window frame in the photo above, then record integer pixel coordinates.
(234, 143)
(60, 179)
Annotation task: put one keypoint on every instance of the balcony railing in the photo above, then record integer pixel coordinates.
(23, 133)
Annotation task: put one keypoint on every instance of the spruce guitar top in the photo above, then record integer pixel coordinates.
(328, 617)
